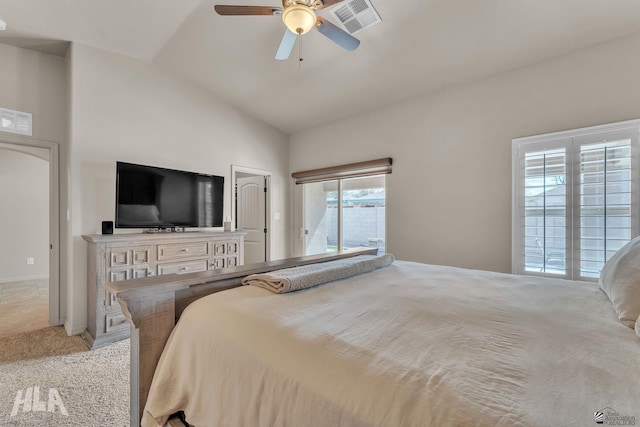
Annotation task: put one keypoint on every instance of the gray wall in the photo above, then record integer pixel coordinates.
(37, 83)
(449, 196)
(124, 109)
(101, 108)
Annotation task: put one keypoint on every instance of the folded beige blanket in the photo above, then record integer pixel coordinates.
(307, 276)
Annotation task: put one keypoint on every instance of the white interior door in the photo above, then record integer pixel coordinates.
(251, 216)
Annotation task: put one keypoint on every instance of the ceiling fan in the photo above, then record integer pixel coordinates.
(300, 17)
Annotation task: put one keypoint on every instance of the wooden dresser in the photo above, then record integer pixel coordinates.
(115, 257)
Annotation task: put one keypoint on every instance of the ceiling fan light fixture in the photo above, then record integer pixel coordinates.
(299, 18)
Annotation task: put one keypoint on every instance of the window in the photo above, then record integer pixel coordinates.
(344, 214)
(363, 212)
(16, 121)
(343, 207)
(575, 199)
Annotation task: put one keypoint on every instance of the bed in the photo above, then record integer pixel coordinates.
(405, 345)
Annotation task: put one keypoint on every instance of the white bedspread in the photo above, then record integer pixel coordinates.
(406, 345)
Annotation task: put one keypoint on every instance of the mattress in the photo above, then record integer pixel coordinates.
(406, 345)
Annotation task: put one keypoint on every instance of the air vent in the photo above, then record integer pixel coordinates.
(356, 15)
(16, 122)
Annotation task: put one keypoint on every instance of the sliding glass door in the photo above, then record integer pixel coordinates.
(344, 214)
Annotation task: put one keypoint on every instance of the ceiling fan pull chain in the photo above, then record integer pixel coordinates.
(300, 58)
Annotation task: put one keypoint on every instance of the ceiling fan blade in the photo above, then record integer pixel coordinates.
(286, 45)
(247, 10)
(337, 35)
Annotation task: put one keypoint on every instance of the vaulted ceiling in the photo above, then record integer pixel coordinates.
(421, 46)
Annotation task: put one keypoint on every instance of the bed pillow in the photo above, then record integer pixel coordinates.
(620, 280)
(638, 327)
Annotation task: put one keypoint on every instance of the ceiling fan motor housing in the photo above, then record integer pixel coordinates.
(299, 16)
(313, 4)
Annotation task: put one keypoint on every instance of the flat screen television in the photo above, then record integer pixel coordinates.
(159, 198)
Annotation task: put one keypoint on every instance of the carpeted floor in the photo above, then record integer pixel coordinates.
(45, 374)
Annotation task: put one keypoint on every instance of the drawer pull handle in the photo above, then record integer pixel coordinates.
(150, 273)
(184, 250)
(184, 268)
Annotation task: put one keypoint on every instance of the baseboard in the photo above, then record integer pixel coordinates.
(25, 278)
(71, 331)
(86, 336)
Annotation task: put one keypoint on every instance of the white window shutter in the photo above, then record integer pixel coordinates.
(575, 199)
(606, 207)
(542, 198)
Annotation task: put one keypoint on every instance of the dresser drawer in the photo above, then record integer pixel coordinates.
(117, 275)
(182, 250)
(219, 248)
(218, 263)
(233, 248)
(183, 267)
(122, 257)
(115, 321)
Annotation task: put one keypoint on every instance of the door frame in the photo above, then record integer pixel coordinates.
(18, 143)
(235, 169)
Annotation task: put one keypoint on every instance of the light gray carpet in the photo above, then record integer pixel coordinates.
(93, 386)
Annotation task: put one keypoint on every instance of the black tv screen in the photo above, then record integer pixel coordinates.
(153, 197)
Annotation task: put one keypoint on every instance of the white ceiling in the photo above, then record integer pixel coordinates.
(420, 46)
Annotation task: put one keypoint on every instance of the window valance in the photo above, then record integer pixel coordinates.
(352, 170)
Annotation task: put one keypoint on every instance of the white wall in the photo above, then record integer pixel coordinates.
(128, 110)
(449, 196)
(24, 215)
